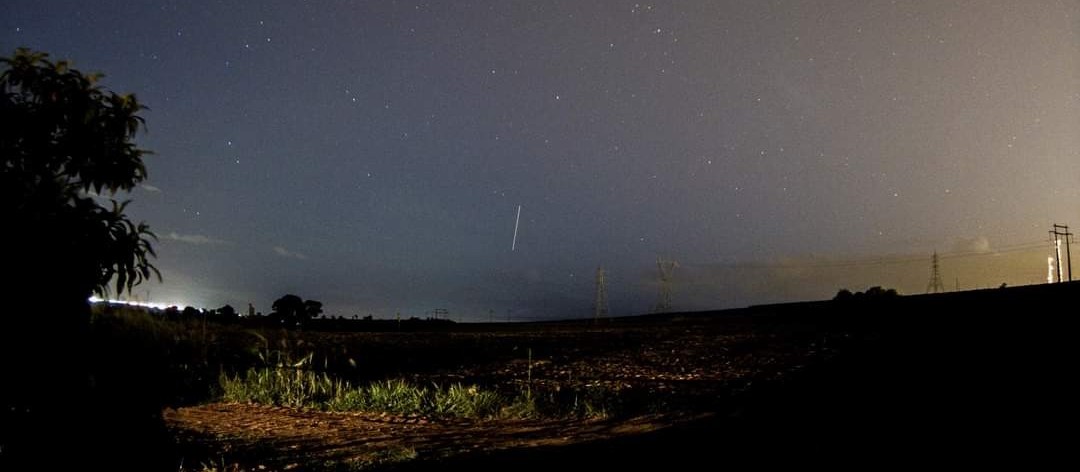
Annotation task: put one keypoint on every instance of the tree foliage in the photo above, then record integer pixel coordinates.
(65, 142)
(293, 311)
(312, 309)
(66, 149)
(873, 293)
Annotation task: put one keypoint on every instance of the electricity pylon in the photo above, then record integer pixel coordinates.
(601, 306)
(667, 273)
(935, 285)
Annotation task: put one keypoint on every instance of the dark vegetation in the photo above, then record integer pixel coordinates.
(66, 143)
(871, 294)
(964, 378)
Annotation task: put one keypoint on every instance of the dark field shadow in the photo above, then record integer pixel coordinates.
(972, 379)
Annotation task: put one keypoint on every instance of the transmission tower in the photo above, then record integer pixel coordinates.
(667, 272)
(601, 307)
(935, 285)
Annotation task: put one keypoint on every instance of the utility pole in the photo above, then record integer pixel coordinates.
(1056, 235)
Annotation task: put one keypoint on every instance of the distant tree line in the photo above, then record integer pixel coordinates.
(872, 293)
(289, 312)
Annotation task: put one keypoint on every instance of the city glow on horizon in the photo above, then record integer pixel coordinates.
(158, 306)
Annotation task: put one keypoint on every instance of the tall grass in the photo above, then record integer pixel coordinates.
(184, 362)
(287, 381)
(304, 388)
(285, 387)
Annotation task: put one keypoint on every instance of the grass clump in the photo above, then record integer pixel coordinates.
(466, 402)
(285, 387)
(395, 396)
(304, 388)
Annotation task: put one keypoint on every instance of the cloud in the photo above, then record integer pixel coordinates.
(978, 244)
(281, 251)
(197, 239)
(150, 188)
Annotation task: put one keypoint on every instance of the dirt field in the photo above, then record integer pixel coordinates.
(274, 438)
(653, 374)
(965, 379)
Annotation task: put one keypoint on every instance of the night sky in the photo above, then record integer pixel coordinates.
(372, 155)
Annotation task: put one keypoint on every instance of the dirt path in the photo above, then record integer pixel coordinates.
(253, 437)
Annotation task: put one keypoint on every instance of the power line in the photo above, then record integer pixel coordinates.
(878, 260)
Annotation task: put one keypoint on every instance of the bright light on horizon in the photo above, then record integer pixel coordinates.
(159, 306)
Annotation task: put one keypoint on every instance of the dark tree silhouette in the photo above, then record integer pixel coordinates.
(64, 141)
(66, 147)
(878, 292)
(227, 313)
(288, 310)
(292, 311)
(312, 309)
(843, 295)
(873, 293)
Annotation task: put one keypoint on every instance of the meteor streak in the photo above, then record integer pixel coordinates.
(513, 245)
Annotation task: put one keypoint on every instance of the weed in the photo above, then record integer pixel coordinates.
(295, 387)
(282, 386)
(466, 402)
(395, 396)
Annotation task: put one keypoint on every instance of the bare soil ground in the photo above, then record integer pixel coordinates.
(275, 438)
(655, 374)
(964, 379)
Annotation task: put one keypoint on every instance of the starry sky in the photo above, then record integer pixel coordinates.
(372, 155)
